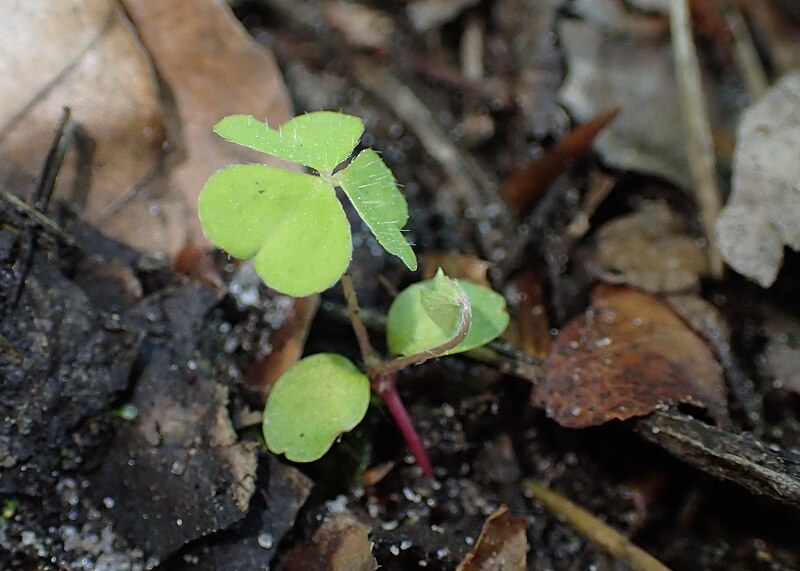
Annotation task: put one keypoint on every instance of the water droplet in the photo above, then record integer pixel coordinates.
(178, 468)
(266, 541)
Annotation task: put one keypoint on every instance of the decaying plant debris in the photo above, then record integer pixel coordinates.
(541, 148)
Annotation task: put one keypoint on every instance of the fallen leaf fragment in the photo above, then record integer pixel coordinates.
(649, 249)
(212, 68)
(648, 137)
(340, 544)
(525, 186)
(106, 80)
(762, 213)
(502, 544)
(627, 356)
(456, 266)
(144, 182)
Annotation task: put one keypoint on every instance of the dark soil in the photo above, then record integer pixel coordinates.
(129, 440)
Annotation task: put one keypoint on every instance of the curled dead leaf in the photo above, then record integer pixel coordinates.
(626, 356)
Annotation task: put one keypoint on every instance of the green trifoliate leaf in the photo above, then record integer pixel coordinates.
(292, 223)
(412, 327)
(312, 403)
(370, 186)
(321, 140)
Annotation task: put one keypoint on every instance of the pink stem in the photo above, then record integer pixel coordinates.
(386, 387)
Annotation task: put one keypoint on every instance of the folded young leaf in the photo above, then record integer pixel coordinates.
(421, 316)
(292, 223)
(321, 140)
(315, 401)
(370, 186)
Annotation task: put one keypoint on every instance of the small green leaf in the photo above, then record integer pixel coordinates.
(292, 223)
(412, 327)
(442, 303)
(321, 140)
(312, 403)
(370, 186)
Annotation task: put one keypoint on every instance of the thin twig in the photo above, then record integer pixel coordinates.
(37, 217)
(746, 56)
(699, 142)
(606, 537)
(368, 352)
(472, 48)
(46, 181)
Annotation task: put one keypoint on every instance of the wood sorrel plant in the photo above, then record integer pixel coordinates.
(295, 229)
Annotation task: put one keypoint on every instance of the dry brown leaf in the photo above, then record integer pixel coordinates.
(93, 63)
(649, 249)
(340, 544)
(530, 324)
(458, 266)
(626, 356)
(501, 545)
(762, 213)
(212, 68)
(287, 346)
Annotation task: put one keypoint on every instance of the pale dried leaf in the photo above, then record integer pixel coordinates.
(213, 69)
(647, 136)
(107, 82)
(762, 213)
(94, 64)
